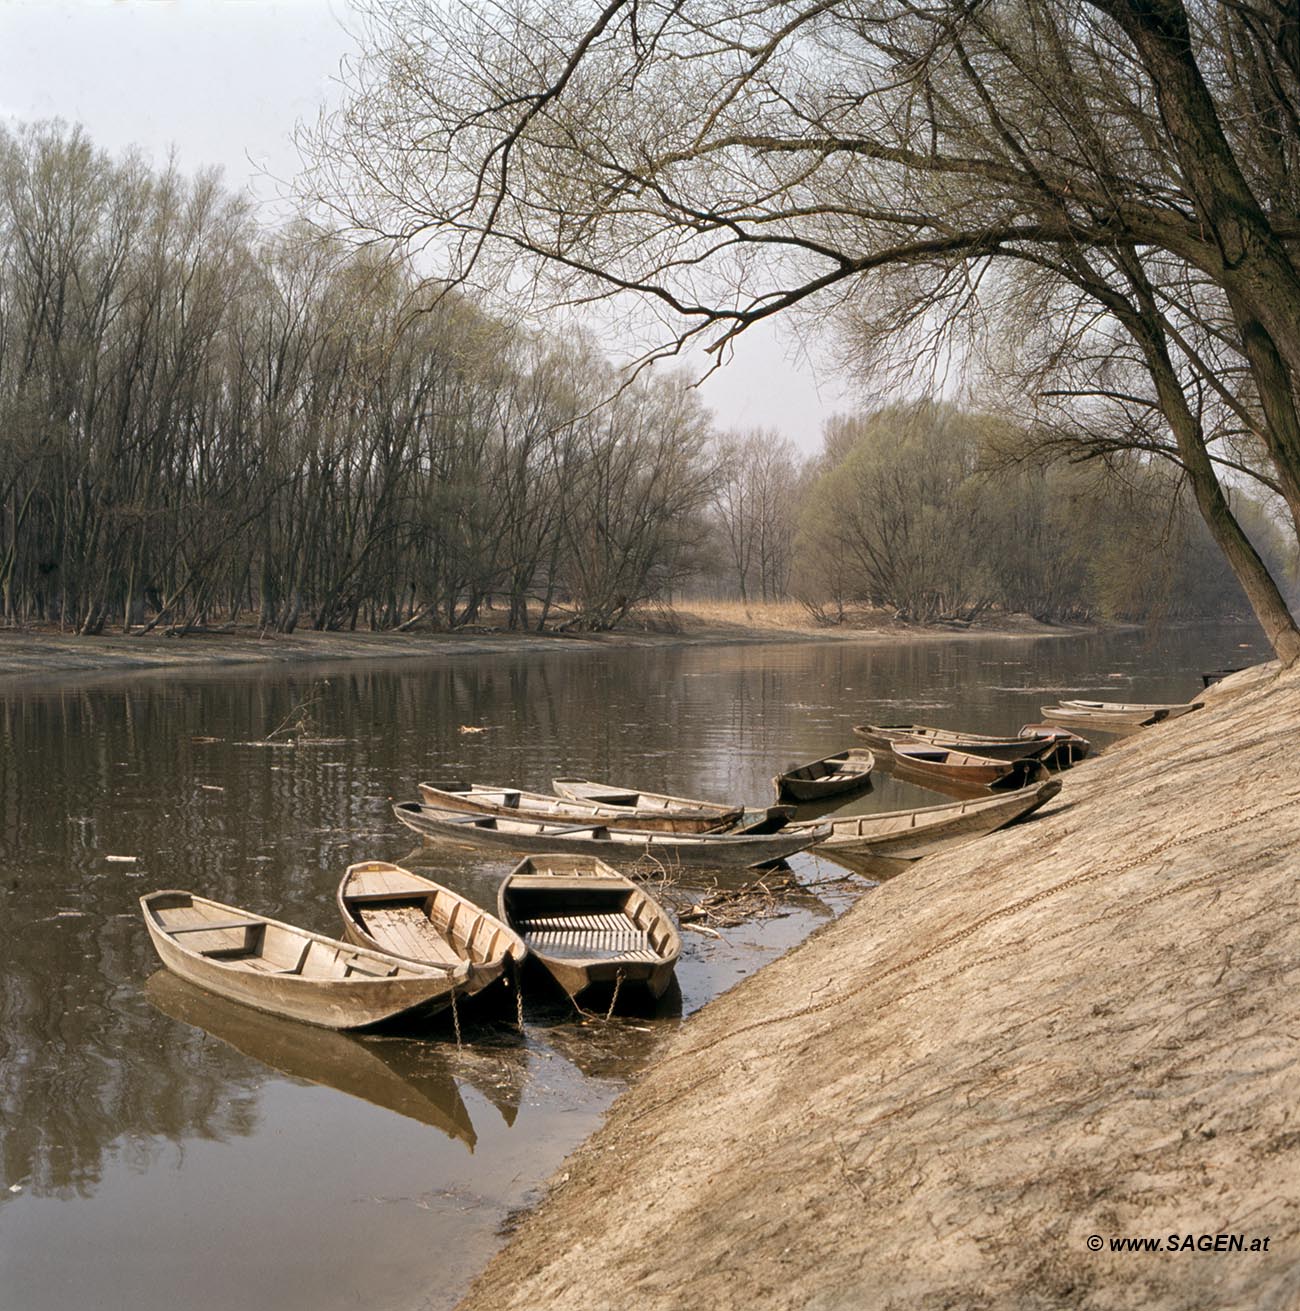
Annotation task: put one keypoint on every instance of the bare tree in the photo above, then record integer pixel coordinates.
(898, 160)
(640, 483)
(198, 417)
(757, 474)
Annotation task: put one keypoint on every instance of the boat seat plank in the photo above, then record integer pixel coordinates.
(211, 926)
(409, 896)
(407, 932)
(257, 964)
(557, 883)
(373, 881)
(352, 970)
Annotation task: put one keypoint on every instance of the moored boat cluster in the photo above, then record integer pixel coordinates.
(413, 947)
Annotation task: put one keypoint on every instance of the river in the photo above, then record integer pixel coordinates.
(164, 1148)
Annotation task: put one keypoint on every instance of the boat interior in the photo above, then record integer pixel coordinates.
(514, 798)
(252, 944)
(939, 755)
(621, 797)
(409, 918)
(579, 919)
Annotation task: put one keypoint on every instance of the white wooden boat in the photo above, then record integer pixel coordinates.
(485, 800)
(1135, 707)
(911, 834)
(1115, 714)
(757, 844)
(1023, 746)
(289, 971)
(625, 799)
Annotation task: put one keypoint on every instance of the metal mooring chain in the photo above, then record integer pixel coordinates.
(516, 974)
(613, 1001)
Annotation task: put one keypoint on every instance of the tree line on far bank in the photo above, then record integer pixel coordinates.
(201, 419)
(935, 512)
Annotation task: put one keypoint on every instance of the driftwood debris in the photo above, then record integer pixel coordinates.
(723, 907)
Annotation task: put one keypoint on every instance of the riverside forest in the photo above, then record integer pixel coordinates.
(203, 419)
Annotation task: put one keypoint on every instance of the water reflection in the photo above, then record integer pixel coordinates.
(405, 1076)
(84, 1082)
(109, 1105)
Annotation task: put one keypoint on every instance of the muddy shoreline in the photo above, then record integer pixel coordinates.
(1078, 1030)
(33, 656)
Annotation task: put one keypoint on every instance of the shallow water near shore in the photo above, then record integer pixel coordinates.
(163, 1148)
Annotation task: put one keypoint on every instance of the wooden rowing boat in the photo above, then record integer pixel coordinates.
(883, 737)
(911, 834)
(631, 799)
(388, 909)
(768, 839)
(1070, 747)
(965, 768)
(1172, 710)
(1209, 678)
(1115, 715)
(287, 970)
(1098, 723)
(846, 771)
(478, 799)
(408, 1078)
(588, 925)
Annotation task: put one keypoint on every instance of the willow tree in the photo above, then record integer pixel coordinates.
(915, 167)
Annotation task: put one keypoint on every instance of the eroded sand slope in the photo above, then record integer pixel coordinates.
(1088, 1025)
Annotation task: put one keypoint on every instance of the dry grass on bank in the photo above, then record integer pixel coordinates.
(786, 616)
(793, 617)
(778, 616)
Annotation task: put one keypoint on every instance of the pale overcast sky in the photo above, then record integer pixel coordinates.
(224, 82)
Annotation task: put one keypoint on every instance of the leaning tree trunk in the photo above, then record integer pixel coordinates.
(1237, 243)
(1142, 319)
(1252, 573)
(1281, 430)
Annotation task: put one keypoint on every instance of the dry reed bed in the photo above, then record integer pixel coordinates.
(1084, 1025)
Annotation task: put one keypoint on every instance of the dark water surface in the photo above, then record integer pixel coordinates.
(162, 1148)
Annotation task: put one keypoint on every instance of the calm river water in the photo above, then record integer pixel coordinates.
(162, 1148)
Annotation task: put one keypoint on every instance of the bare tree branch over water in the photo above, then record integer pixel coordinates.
(1107, 183)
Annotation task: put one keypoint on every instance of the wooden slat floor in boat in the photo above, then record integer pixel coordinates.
(587, 937)
(253, 964)
(406, 931)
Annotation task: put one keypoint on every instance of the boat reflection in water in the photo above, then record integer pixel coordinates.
(411, 1078)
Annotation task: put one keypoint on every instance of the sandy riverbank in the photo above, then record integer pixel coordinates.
(36, 655)
(1083, 1026)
